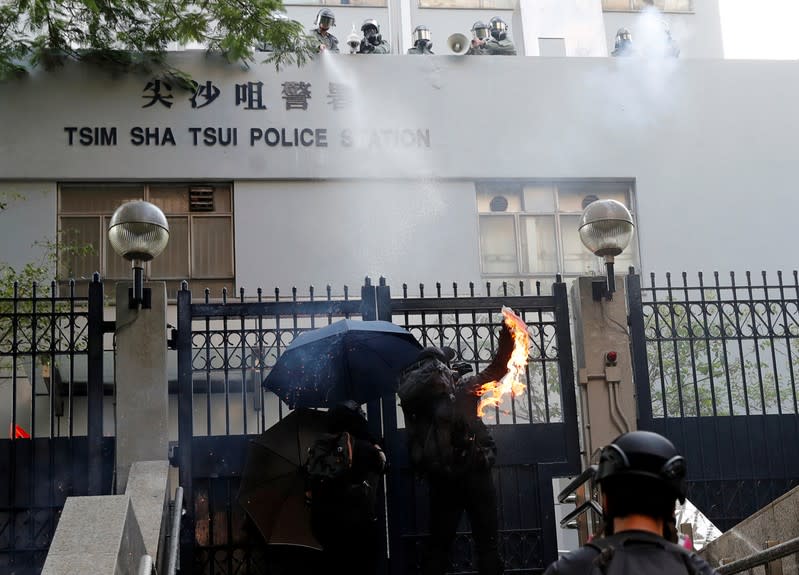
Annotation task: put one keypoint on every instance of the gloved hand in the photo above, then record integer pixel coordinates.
(498, 367)
(366, 47)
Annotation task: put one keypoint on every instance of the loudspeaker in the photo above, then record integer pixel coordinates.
(458, 44)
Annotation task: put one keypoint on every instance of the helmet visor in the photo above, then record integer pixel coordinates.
(327, 21)
(499, 25)
(481, 33)
(421, 35)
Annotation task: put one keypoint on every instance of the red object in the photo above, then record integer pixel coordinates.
(20, 433)
(611, 357)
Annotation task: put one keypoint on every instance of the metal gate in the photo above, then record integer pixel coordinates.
(51, 373)
(226, 348)
(715, 366)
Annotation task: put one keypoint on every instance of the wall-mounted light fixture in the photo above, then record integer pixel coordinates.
(138, 232)
(606, 228)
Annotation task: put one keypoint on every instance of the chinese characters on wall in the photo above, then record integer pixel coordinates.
(158, 94)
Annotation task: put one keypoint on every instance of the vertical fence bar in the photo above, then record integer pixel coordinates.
(185, 425)
(566, 364)
(368, 301)
(94, 391)
(383, 301)
(643, 391)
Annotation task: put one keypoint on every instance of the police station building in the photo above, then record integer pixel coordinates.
(420, 169)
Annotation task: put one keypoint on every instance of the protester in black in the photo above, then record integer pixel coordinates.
(467, 484)
(641, 475)
(344, 512)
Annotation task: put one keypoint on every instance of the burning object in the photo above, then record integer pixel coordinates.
(514, 381)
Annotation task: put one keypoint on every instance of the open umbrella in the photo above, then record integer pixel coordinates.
(348, 359)
(272, 488)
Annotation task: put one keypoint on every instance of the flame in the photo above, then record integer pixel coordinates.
(515, 380)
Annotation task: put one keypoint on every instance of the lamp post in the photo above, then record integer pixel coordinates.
(606, 228)
(138, 232)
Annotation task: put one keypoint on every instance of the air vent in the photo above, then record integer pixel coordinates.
(498, 204)
(201, 198)
(589, 199)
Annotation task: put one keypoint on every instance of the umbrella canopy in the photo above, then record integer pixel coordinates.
(272, 488)
(348, 359)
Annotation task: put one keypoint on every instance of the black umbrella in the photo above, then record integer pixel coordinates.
(272, 488)
(348, 359)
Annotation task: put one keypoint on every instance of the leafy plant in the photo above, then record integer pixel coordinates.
(130, 35)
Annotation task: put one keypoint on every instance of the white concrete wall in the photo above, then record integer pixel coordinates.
(709, 144)
(578, 22)
(29, 217)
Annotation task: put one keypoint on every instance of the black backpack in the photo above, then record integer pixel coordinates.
(639, 552)
(427, 395)
(338, 494)
(329, 463)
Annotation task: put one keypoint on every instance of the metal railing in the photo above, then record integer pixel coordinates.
(761, 557)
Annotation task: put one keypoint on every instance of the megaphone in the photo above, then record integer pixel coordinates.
(458, 44)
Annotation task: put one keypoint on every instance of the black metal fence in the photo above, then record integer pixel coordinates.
(51, 415)
(226, 348)
(716, 364)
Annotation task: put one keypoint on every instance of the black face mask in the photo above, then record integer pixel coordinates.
(497, 35)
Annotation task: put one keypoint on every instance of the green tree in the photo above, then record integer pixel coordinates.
(720, 357)
(127, 35)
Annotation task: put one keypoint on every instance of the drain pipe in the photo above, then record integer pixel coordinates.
(145, 565)
(177, 514)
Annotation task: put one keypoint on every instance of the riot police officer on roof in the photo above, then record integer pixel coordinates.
(324, 21)
(422, 43)
(372, 42)
(496, 44)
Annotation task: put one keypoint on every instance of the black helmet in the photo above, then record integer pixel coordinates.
(480, 30)
(370, 23)
(325, 16)
(347, 416)
(644, 454)
(443, 354)
(497, 23)
(623, 37)
(499, 30)
(421, 32)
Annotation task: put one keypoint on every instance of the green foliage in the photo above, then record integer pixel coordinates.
(41, 270)
(721, 358)
(133, 35)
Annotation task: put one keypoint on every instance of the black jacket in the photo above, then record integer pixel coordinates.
(656, 556)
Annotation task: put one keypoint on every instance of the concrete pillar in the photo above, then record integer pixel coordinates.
(98, 535)
(607, 393)
(399, 15)
(141, 384)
